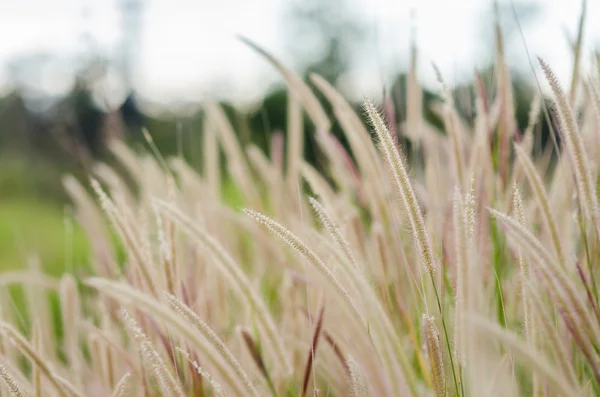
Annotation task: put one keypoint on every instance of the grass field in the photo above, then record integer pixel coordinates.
(467, 267)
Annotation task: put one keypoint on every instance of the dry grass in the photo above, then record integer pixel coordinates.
(398, 282)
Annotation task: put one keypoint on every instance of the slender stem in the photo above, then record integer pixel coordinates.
(459, 390)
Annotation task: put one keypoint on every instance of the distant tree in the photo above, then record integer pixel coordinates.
(323, 35)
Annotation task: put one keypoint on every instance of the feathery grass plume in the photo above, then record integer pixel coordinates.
(70, 312)
(11, 384)
(175, 323)
(31, 353)
(558, 283)
(168, 384)
(102, 336)
(462, 299)
(470, 209)
(297, 87)
(217, 388)
(123, 388)
(128, 237)
(523, 265)
(528, 316)
(166, 253)
(355, 232)
(402, 181)
(313, 350)
(541, 196)
(238, 278)
(524, 238)
(90, 219)
(15, 369)
(201, 326)
(360, 386)
(532, 357)
(575, 147)
(301, 248)
(434, 351)
(333, 230)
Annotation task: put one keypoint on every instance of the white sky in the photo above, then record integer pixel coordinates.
(188, 49)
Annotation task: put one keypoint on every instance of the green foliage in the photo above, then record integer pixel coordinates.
(29, 226)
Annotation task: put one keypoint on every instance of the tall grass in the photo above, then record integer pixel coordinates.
(472, 274)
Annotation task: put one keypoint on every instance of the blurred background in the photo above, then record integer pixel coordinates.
(75, 73)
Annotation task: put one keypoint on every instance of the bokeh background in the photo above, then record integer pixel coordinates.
(76, 73)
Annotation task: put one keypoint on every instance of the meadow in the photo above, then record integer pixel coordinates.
(466, 265)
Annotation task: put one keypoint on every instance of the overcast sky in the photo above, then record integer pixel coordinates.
(187, 48)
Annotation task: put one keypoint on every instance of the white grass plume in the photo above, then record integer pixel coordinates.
(123, 388)
(299, 246)
(403, 184)
(575, 148)
(194, 319)
(541, 196)
(168, 384)
(360, 386)
(559, 284)
(217, 388)
(436, 359)
(174, 321)
(333, 230)
(11, 384)
(29, 351)
(128, 236)
(237, 277)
